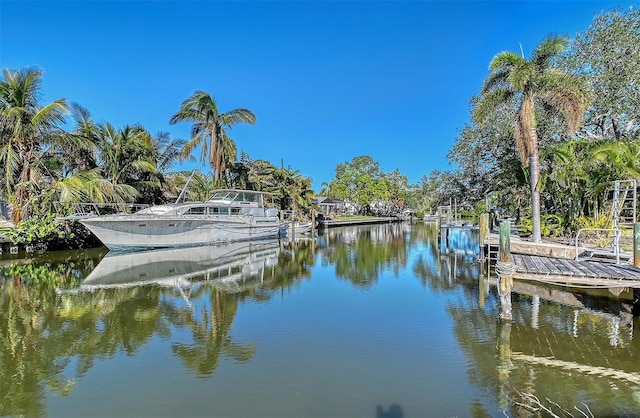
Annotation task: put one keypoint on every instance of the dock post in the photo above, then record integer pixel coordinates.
(636, 244)
(484, 233)
(505, 242)
(504, 269)
(635, 308)
(444, 238)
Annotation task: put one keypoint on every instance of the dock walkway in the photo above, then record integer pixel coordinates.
(571, 272)
(327, 222)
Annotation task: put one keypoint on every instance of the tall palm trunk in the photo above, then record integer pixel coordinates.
(530, 146)
(534, 167)
(20, 210)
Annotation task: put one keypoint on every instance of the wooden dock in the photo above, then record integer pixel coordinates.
(574, 273)
(328, 223)
(546, 249)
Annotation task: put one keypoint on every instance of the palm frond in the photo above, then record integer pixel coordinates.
(490, 102)
(505, 60)
(236, 116)
(549, 48)
(496, 79)
(51, 114)
(523, 76)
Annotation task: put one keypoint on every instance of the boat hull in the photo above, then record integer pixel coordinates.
(138, 232)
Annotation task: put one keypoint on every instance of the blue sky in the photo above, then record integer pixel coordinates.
(328, 80)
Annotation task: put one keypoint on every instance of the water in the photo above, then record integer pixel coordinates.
(359, 322)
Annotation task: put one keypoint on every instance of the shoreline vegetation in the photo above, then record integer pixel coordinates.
(547, 136)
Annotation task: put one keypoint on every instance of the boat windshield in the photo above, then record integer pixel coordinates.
(224, 195)
(237, 196)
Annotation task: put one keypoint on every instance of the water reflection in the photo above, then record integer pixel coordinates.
(361, 254)
(121, 304)
(422, 306)
(228, 265)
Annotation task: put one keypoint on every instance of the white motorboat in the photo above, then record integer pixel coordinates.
(228, 216)
(296, 228)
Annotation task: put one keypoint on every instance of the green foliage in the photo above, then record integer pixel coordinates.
(209, 131)
(37, 230)
(550, 225)
(368, 189)
(47, 233)
(607, 54)
(599, 230)
(44, 275)
(601, 222)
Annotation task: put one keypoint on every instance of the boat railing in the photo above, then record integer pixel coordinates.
(86, 209)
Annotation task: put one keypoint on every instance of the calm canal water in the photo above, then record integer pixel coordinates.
(369, 321)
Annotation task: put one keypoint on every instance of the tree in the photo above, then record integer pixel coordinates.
(608, 53)
(487, 162)
(398, 187)
(26, 128)
(290, 188)
(164, 152)
(251, 174)
(358, 183)
(514, 79)
(208, 130)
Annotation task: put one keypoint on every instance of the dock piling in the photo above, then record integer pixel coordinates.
(504, 269)
(484, 233)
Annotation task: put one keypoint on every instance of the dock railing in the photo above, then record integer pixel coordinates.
(615, 251)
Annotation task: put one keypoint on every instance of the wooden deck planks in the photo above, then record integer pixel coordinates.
(627, 272)
(526, 262)
(580, 270)
(552, 267)
(603, 269)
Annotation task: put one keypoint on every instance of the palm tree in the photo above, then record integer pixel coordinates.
(514, 79)
(72, 163)
(290, 188)
(126, 153)
(26, 128)
(208, 131)
(164, 152)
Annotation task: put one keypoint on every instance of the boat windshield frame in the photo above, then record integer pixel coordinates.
(238, 196)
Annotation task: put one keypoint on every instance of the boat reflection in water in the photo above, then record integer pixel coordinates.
(229, 266)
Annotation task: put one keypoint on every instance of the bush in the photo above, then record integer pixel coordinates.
(550, 225)
(603, 222)
(47, 232)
